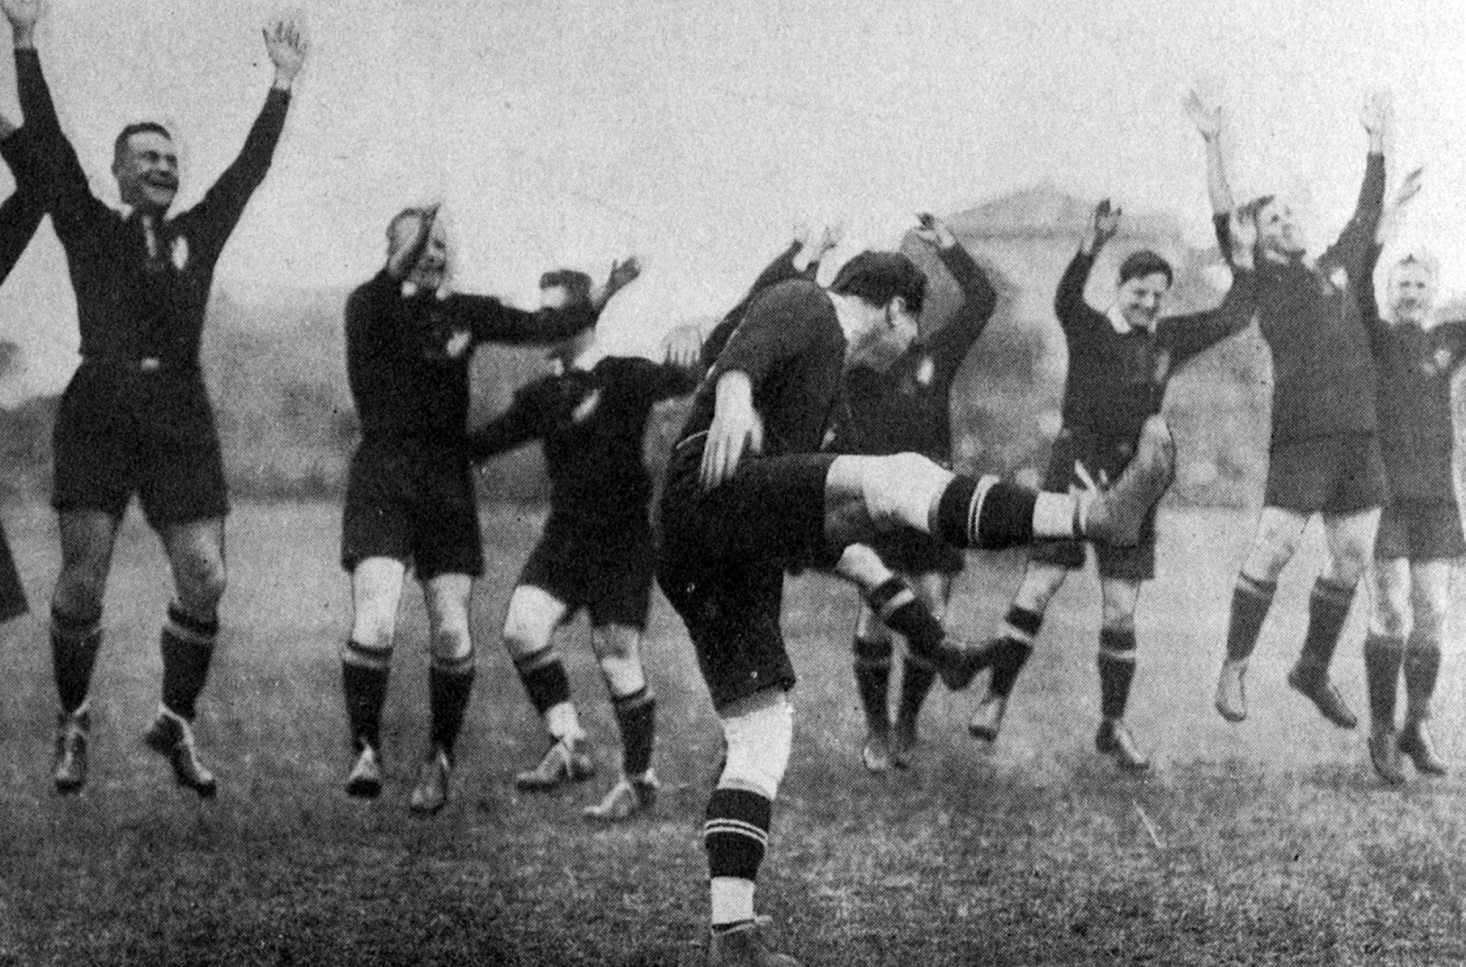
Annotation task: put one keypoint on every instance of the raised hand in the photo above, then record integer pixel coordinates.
(1104, 224)
(1207, 117)
(934, 232)
(1376, 113)
(831, 236)
(23, 16)
(622, 275)
(682, 347)
(286, 43)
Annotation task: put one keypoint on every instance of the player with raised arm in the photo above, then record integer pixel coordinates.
(748, 493)
(410, 493)
(1325, 453)
(136, 417)
(897, 406)
(596, 552)
(1119, 363)
(1420, 531)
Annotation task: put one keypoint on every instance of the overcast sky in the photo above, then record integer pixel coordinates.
(694, 132)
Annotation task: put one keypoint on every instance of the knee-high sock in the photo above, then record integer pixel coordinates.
(364, 674)
(636, 716)
(735, 835)
(916, 684)
(1382, 658)
(1251, 600)
(548, 687)
(1422, 668)
(74, 644)
(1328, 607)
(1020, 629)
(450, 685)
(897, 605)
(987, 513)
(188, 649)
(873, 681)
(1116, 670)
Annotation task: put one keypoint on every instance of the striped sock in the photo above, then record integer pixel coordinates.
(735, 836)
(450, 685)
(1020, 629)
(1328, 607)
(899, 609)
(364, 674)
(1251, 600)
(985, 513)
(544, 679)
(636, 716)
(74, 645)
(188, 648)
(1116, 670)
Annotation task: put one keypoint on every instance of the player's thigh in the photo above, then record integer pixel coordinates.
(87, 540)
(376, 592)
(1350, 539)
(1389, 603)
(195, 550)
(95, 446)
(1274, 541)
(444, 521)
(531, 618)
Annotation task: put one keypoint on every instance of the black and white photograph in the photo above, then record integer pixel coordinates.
(742, 484)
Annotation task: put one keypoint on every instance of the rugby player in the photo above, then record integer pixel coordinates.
(748, 494)
(136, 418)
(596, 553)
(1119, 362)
(410, 495)
(1420, 528)
(1325, 453)
(20, 214)
(906, 406)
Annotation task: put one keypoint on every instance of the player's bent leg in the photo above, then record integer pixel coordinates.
(450, 685)
(759, 734)
(1429, 597)
(1384, 652)
(195, 551)
(618, 651)
(1273, 544)
(1014, 643)
(529, 628)
(933, 589)
(1351, 544)
(87, 539)
(366, 664)
(1116, 663)
(873, 648)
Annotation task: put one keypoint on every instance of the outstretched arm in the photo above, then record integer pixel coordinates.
(20, 214)
(1184, 337)
(950, 345)
(1069, 304)
(1352, 248)
(623, 273)
(516, 426)
(1208, 119)
(682, 367)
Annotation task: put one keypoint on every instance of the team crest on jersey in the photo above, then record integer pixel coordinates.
(457, 345)
(586, 408)
(1339, 277)
(178, 253)
(926, 371)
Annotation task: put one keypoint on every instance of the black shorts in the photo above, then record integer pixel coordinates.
(1105, 459)
(1420, 530)
(723, 556)
(413, 502)
(605, 568)
(1342, 473)
(912, 552)
(12, 593)
(121, 429)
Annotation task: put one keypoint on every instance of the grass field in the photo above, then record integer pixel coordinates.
(1267, 843)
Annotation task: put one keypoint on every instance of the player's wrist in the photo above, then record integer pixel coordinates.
(24, 36)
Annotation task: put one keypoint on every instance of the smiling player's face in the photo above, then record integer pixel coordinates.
(147, 172)
(1412, 291)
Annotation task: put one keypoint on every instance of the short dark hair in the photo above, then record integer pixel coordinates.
(879, 277)
(136, 127)
(577, 283)
(1139, 264)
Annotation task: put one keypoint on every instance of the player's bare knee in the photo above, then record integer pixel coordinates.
(451, 642)
(373, 623)
(1040, 583)
(618, 651)
(760, 734)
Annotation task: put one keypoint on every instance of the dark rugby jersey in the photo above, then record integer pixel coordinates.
(792, 347)
(1117, 379)
(407, 357)
(21, 213)
(908, 407)
(133, 304)
(592, 423)
(1323, 365)
(781, 269)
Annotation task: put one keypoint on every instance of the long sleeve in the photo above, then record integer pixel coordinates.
(1369, 314)
(21, 213)
(1069, 304)
(211, 221)
(1358, 237)
(490, 320)
(67, 194)
(1186, 336)
(781, 269)
(950, 345)
(516, 426)
(669, 381)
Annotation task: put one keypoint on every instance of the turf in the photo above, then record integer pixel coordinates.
(1268, 842)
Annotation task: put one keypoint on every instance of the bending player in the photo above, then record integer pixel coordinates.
(1119, 362)
(410, 495)
(905, 406)
(596, 553)
(748, 494)
(136, 416)
(1325, 454)
(1420, 528)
